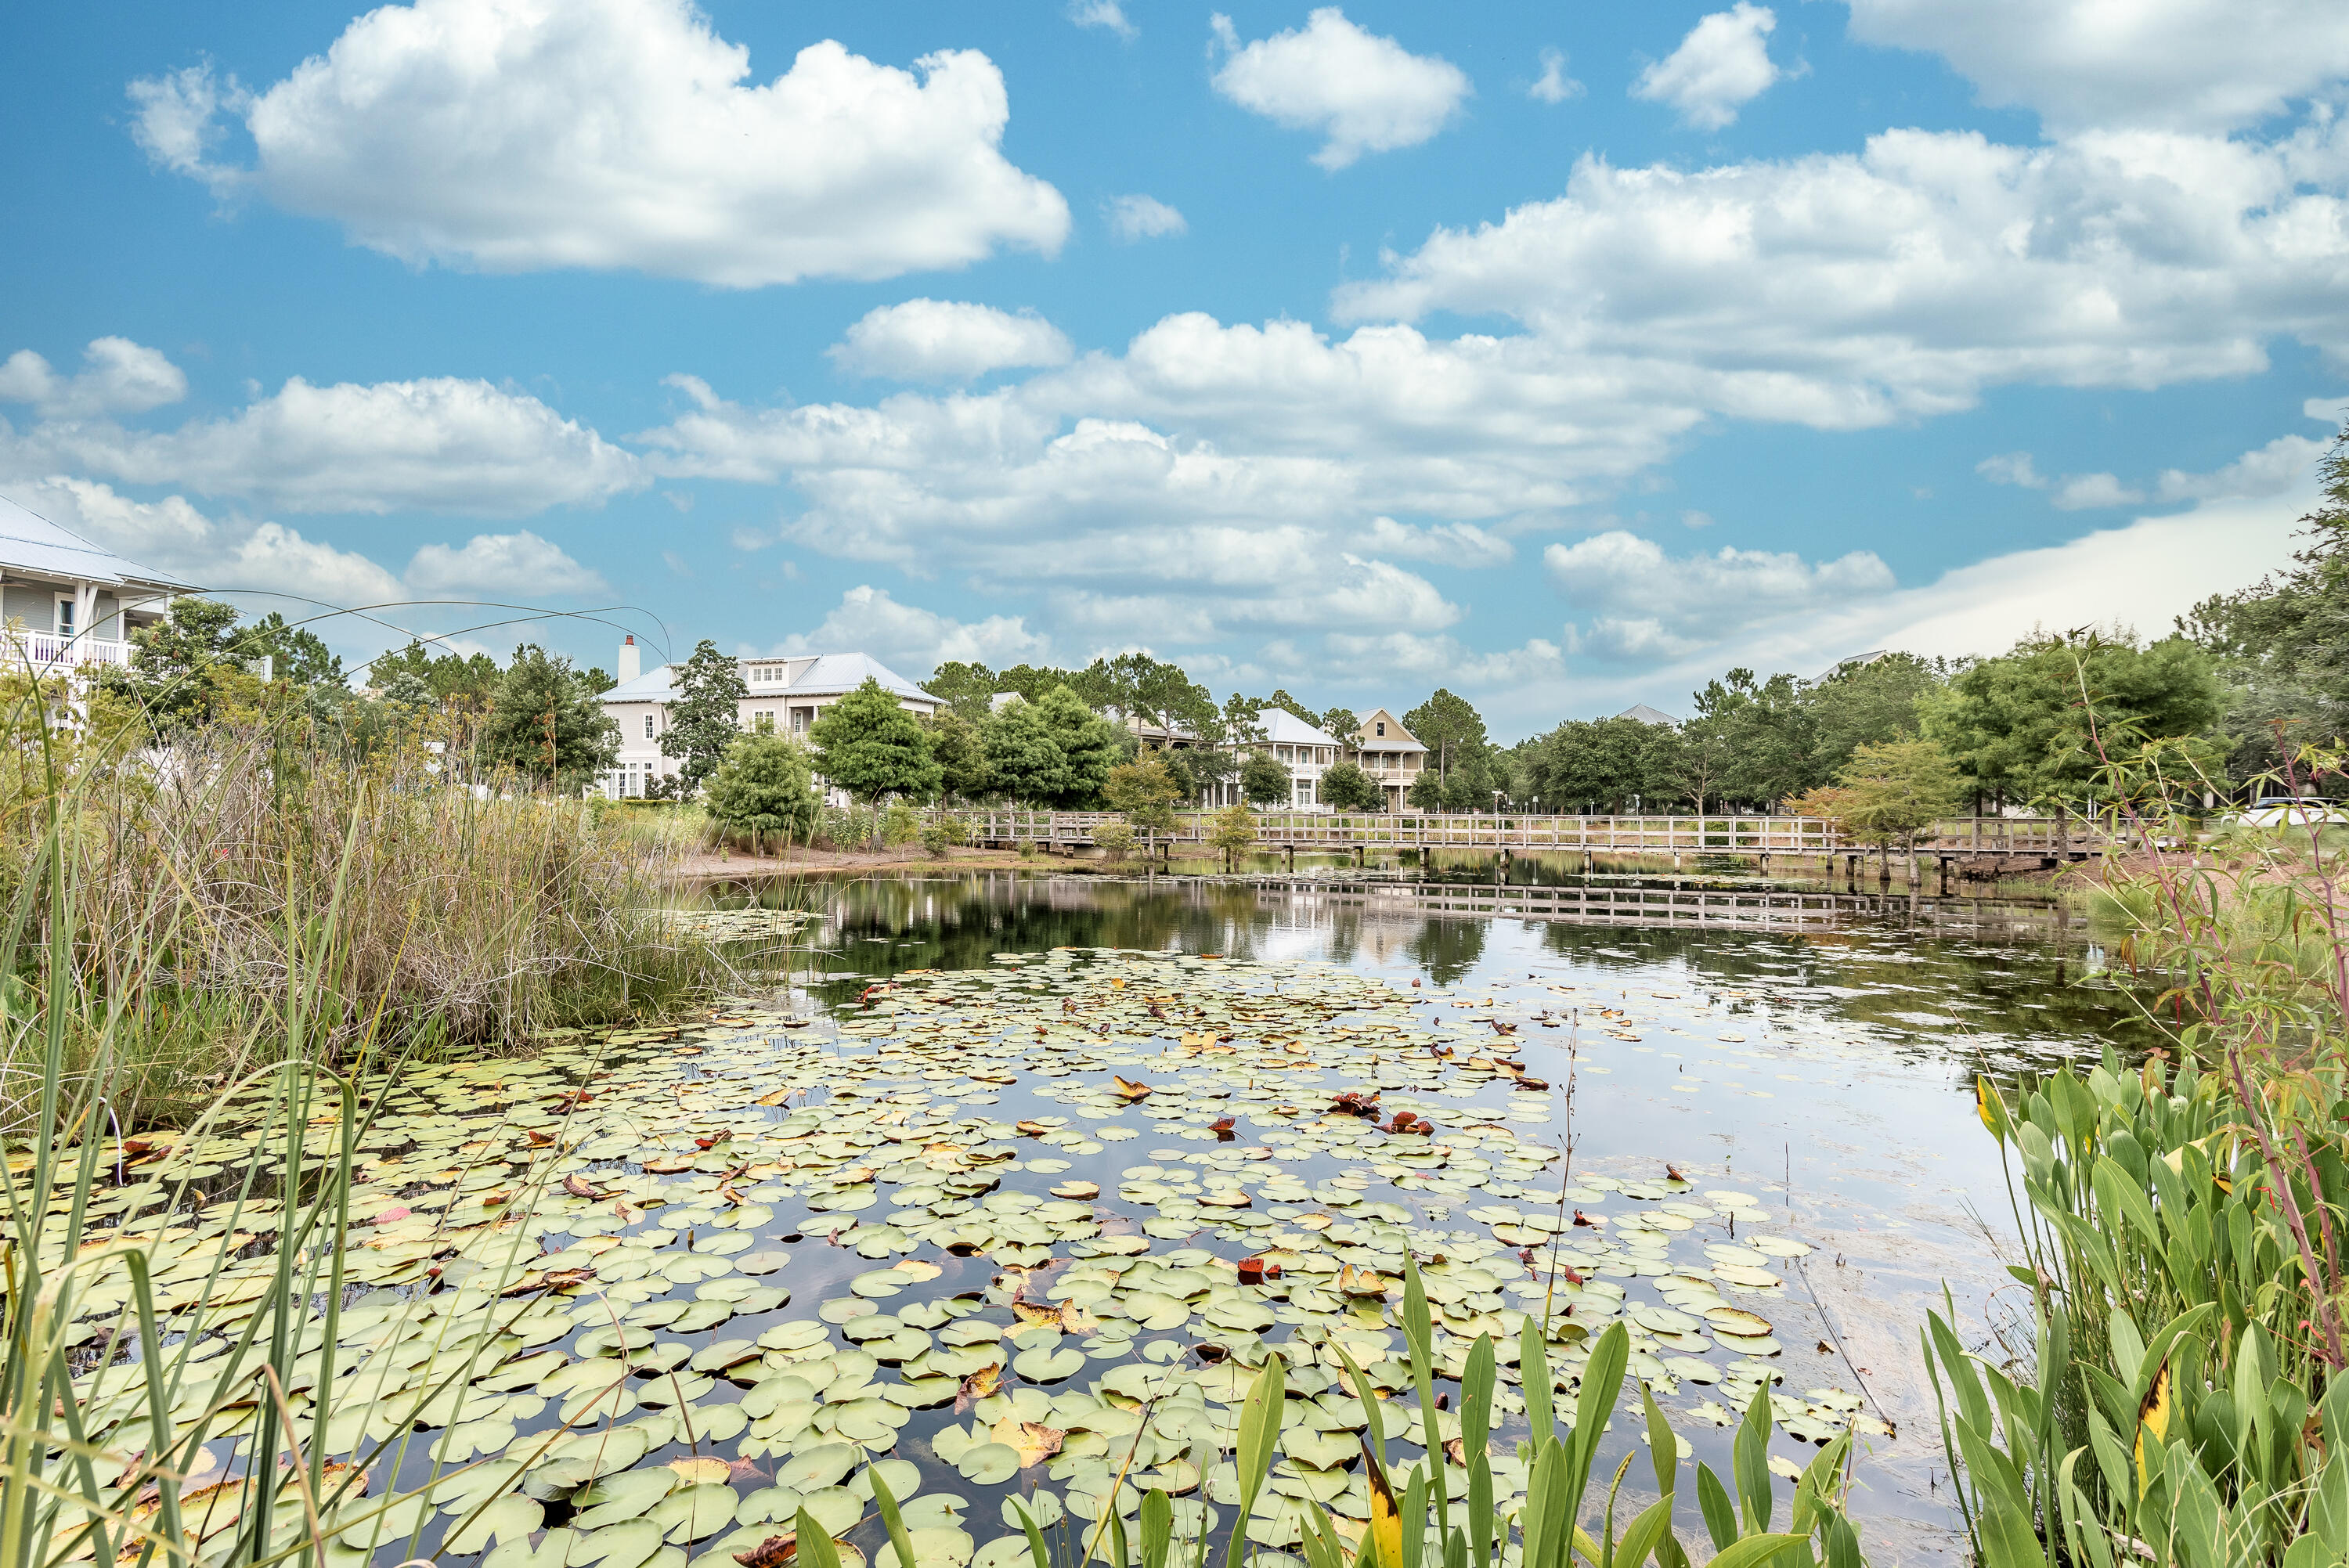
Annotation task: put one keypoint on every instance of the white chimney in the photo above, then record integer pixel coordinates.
(632, 661)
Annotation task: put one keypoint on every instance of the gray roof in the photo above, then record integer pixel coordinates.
(826, 674)
(31, 544)
(1646, 715)
(1282, 728)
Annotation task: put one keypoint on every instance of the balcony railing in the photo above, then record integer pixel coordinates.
(47, 650)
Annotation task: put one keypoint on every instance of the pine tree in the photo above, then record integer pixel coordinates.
(545, 723)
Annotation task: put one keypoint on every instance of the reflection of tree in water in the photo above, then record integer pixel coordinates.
(1868, 976)
(1448, 949)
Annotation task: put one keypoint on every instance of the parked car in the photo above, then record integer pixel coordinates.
(2289, 811)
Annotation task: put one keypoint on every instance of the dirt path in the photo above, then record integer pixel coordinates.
(713, 865)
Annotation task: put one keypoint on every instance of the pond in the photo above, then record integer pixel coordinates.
(970, 1196)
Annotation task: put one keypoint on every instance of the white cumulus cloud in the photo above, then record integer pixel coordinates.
(1843, 290)
(1652, 603)
(217, 555)
(1362, 92)
(1554, 86)
(1446, 543)
(911, 640)
(2191, 64)
(1722, 66)
(2012, 469)
(2083, 492)
(117, 376)
(518, 565)
(437, 444)
(1132, 217)
(946, 340)
(1107, 14)
(518, 135)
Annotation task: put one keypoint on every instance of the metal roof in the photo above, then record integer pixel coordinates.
(1646, 715)
(825, 675)
(32, 545)
(1282, 728)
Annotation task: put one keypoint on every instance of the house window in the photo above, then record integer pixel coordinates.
(649, 726)
(66, 603)
(762, 723)
(1383, 727)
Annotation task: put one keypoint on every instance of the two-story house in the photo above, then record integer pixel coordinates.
(68, 601)
(1393, 757)
(1301, 748)
(783, 696)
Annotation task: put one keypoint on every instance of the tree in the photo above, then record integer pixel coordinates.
(1281, 699)
(188, 668)
(1454, 733)
(1232, 832)
(1090, 746)
(544, 723)
(867, 744)
(1348, 789)
(704, 717)
(1888, 794)
(1238, 724)
(1426, 792)
(1145, 790)
(966, 688)
(1023, 756)
(1339, 724)
(2018, 726)
(1264, 782)
(1760, 729)
(1595, 763)
(1201, 768)
(1867, 704)
(469, 679)
(763, 787)
(1153, 691)
(2281, 647)
(297, 654)
(960, 746)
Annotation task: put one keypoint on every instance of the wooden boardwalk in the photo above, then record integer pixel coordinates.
(1739, 909)
(1959, 841)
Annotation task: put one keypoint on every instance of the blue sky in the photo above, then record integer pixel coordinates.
(1559, 355)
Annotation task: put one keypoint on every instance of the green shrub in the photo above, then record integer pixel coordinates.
(945, 830)
(1114, 838)
(764, 788)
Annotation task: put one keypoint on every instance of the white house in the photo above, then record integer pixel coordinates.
(1306, 752)
(784, 694)
(68, 601)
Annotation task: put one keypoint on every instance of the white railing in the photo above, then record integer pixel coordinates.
(44, 650)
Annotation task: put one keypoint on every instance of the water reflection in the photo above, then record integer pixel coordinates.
(2008, 981)
(1822, 1065)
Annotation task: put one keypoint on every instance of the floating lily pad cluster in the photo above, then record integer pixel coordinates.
(573, 1273)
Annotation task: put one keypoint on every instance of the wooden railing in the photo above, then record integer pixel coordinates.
(1661, 835)
(1749, 908)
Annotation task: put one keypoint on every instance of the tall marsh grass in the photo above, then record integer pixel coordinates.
(199, 869)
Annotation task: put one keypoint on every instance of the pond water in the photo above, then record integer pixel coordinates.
(965, 1193)
(1826, 1072)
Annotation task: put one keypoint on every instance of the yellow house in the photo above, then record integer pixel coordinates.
(1393, 757)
